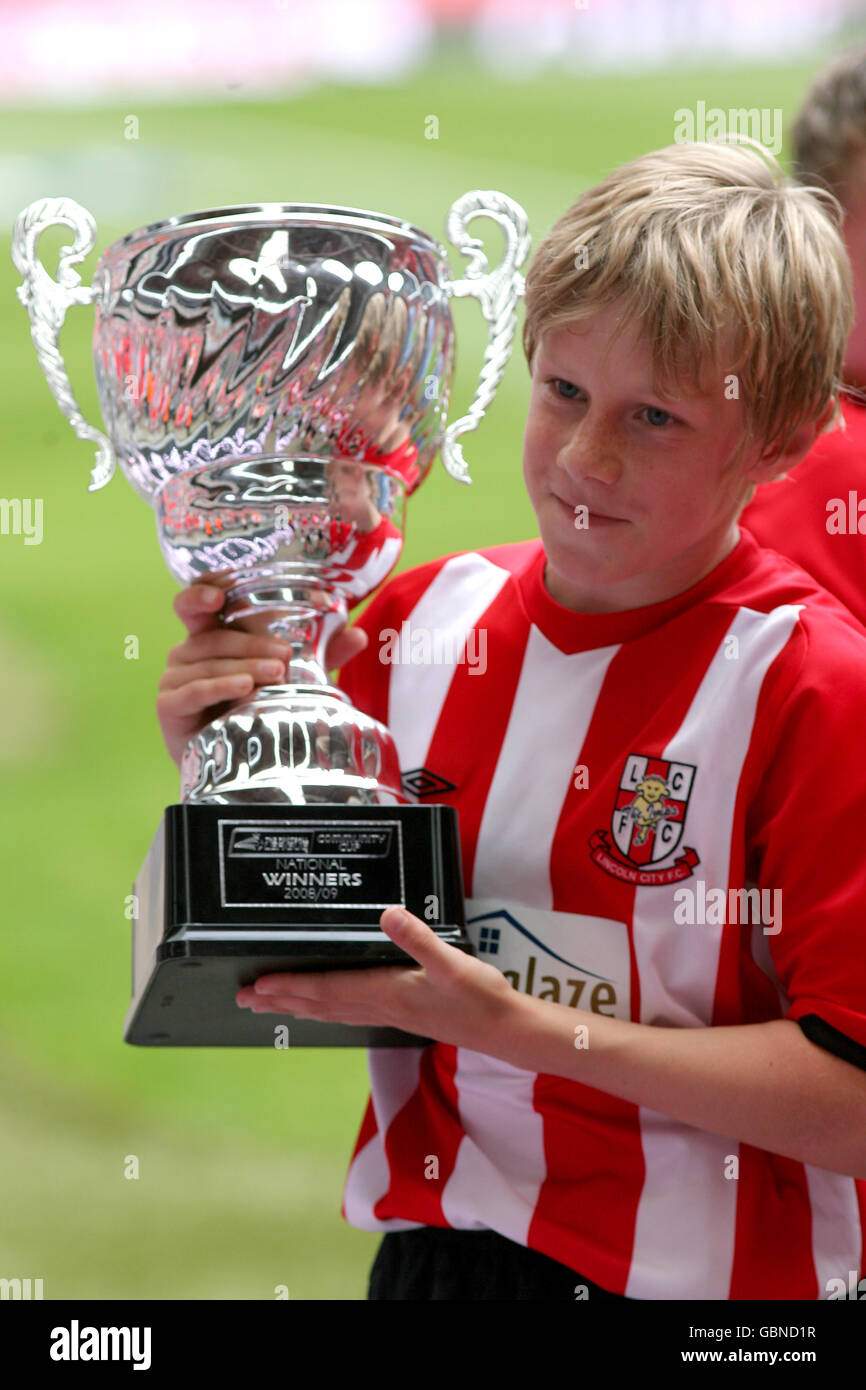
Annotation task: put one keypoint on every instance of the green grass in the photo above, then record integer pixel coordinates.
(213, 1213)
(242, 1152)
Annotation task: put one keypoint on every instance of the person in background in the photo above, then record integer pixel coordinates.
(816, 514)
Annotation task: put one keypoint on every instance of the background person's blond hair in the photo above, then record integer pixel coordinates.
(732, 268)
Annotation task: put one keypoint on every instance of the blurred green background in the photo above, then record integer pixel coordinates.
(242, 1153)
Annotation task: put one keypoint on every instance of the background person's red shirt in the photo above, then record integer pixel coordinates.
(791, 516)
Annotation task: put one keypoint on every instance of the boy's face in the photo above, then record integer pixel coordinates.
(655, 472)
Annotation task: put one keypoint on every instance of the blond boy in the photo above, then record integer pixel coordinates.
(640, 1087)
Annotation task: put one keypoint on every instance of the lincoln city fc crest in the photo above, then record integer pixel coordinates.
(647, 823)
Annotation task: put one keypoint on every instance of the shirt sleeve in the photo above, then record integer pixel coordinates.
(808, 830)
(817, 1031)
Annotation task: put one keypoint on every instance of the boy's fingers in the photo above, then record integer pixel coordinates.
(416, 938)
(261, 670)
(344, 645)
(197, 696)
(198, 606)
(219, 642)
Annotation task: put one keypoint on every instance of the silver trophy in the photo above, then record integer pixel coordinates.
(274, 381)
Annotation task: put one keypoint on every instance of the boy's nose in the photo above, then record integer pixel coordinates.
(591, 454)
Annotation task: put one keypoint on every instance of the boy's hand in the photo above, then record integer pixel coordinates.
(216, 666)
(454, 998)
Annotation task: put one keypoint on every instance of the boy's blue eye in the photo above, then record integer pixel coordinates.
(655, 410)
(560, 381)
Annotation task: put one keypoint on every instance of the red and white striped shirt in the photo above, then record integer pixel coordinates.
(616, 774)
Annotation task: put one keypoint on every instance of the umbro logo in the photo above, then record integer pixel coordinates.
(422, 782)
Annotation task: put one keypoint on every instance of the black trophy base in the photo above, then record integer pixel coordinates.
(229, 893)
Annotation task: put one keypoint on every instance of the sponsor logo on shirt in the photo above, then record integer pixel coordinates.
(647, 824)
(565, 957)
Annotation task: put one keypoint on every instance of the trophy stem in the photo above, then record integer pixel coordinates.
(306, 616)
(299, 741)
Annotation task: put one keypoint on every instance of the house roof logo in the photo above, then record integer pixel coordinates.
(489, 939)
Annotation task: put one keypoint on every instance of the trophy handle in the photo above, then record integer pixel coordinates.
(47, 300)
(498, 290)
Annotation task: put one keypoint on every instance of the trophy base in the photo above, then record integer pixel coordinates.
(229, 893)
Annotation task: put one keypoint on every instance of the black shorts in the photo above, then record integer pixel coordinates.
(436, 1262)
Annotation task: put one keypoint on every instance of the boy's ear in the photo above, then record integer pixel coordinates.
(775, 463)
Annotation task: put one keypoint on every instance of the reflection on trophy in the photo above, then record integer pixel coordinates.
(274, 381)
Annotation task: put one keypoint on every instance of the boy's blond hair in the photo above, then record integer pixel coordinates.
(829, 135)
(734, 271)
